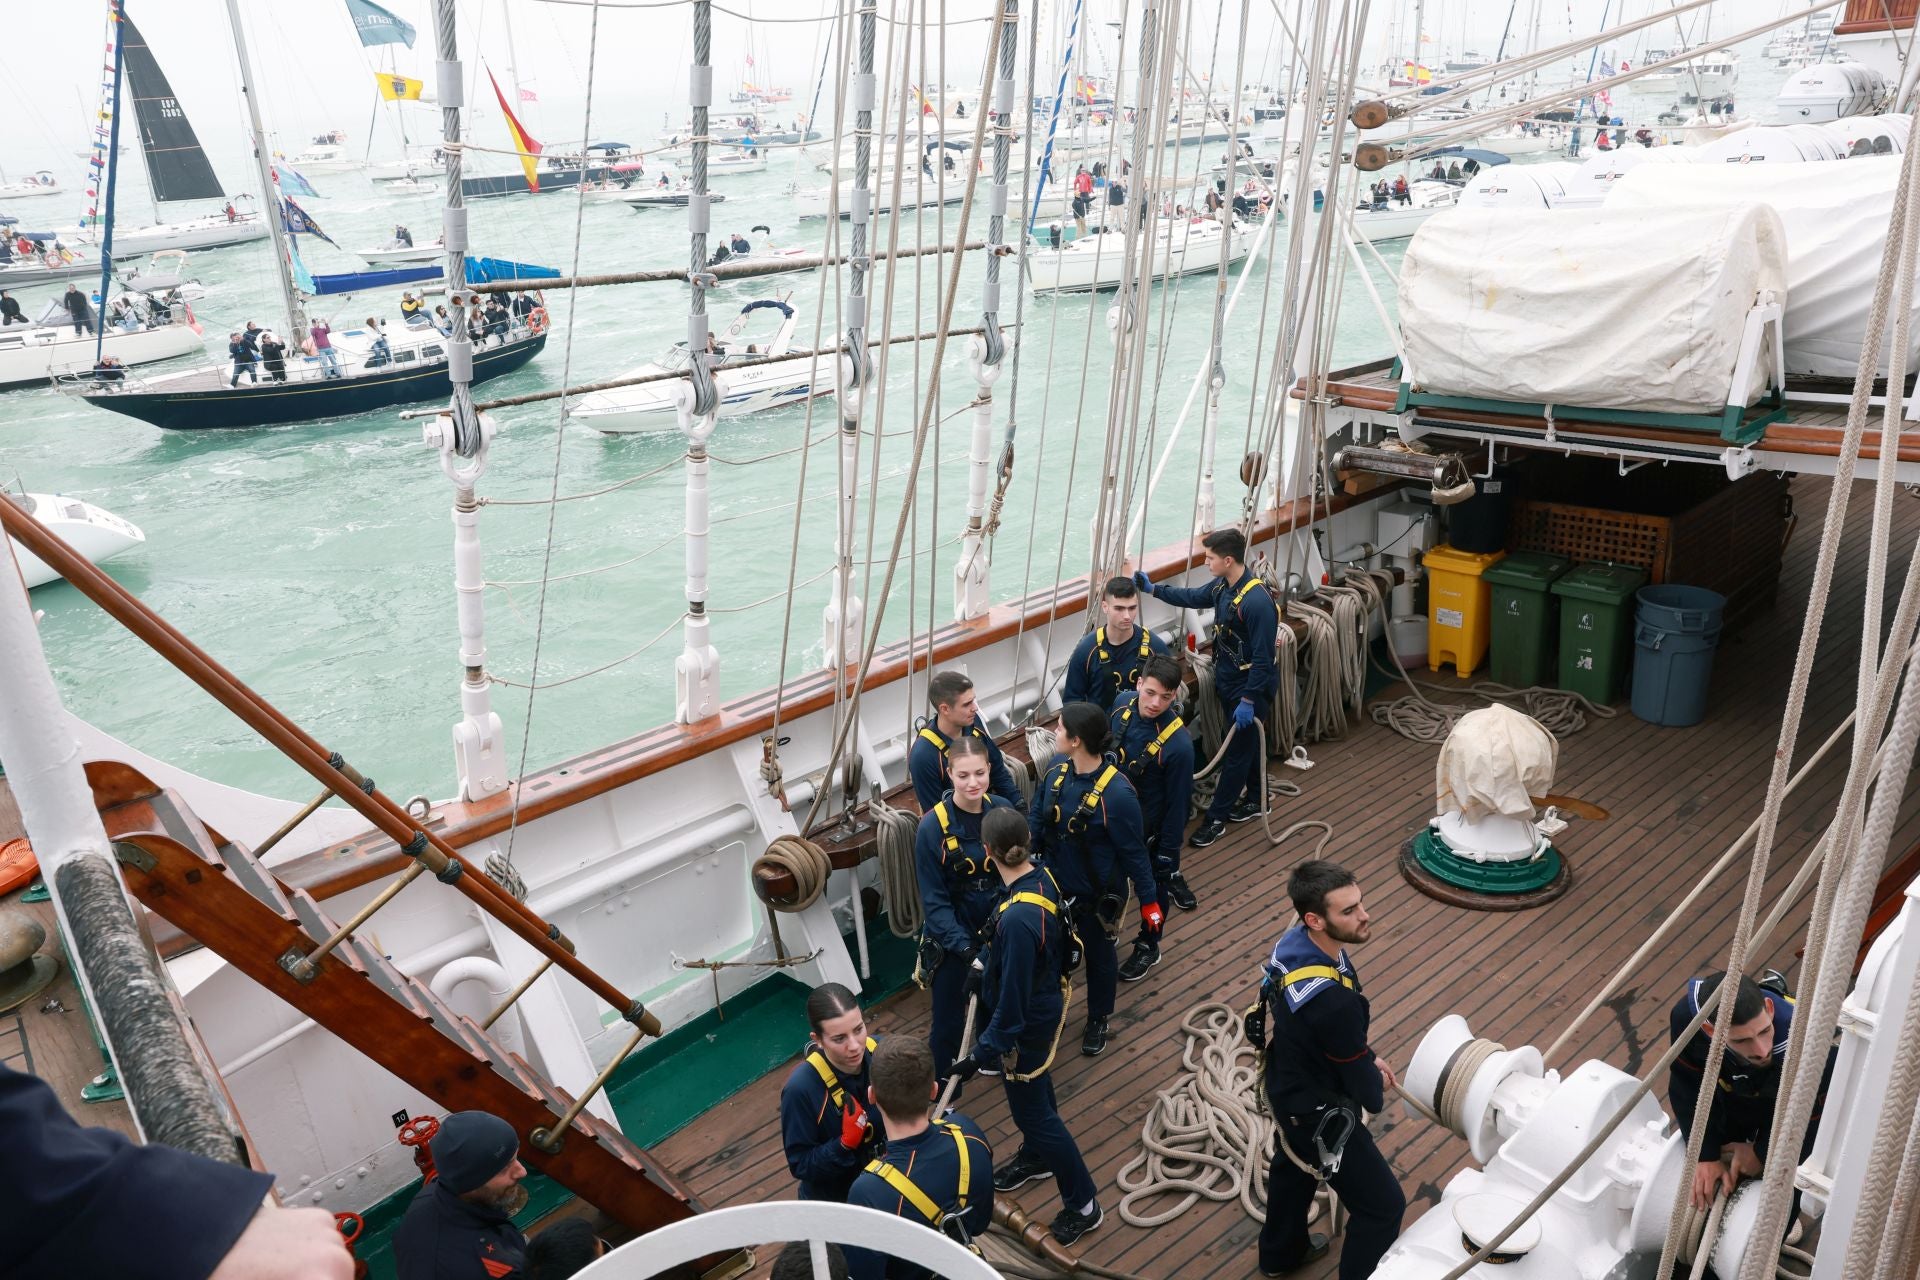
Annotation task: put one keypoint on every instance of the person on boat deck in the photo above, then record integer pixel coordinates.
(825, 1124)
(523, 306)
(1085, 823)
(1245, 622)
(123, 316)
(795, 1262)
(402, 238)
(1150, 740)
(939, 1173)
(1439, 170)
(1401, 191)
(413, 311)
(1053, 230)
(233, 214)
(460, 1225)
(1107, 660)
(958, 891)
(6, 249)
(69, 1196)
(442, 322)
(1027, 983)
(10, 312)
(78, 309)
(956, 713)
(740, 244)
(1320, 1076)
(241, 351)
(109, 369)
(1740, 1121)
(322, 336)
(380, 353)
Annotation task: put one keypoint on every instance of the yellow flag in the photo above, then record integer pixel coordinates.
(398, 88)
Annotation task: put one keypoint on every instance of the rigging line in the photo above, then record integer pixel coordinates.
(661, 545)
(927, 414)
(559, 448)
(909, 704)
(532, 687)
(735, 13)
(576, 497)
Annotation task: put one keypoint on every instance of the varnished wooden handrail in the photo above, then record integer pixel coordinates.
(326, 767)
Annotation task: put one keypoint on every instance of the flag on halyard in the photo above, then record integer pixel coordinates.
(294, 183)
(300, 222)
(376, 26)
(398, 88)
(528, 95)
(523, 142)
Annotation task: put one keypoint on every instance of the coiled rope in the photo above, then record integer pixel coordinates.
(893, 833)
(805, 861)
(1458, 1077)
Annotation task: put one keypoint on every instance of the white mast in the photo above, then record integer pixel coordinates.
(269, 199)
(696, 673)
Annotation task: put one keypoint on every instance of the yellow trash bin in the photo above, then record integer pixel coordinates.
(1458, 607)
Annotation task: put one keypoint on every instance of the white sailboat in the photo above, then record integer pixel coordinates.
(1097, 261)
(327, 153)
(42, 183)
(94, 532)
(140, 328)
(751, 377)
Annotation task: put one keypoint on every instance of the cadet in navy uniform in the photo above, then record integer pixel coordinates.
(1027, 984)
(1151, 742)
(1320, 1075)
(1086, 825)
(955, 715)
(1740, 1122)
(460, 1225)
(1108, 659)
(824, 1123)
(936, 1172)
(76, 1201)
(958, 891)
(1244, 625)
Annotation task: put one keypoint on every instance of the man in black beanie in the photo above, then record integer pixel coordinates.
(460, 1226)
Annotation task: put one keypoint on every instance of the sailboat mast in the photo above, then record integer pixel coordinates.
(113, 171)
(269, 196)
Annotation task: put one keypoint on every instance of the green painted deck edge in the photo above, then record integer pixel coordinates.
(681, 1076)
(1432, 853)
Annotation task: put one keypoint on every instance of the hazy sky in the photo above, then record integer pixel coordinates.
(315, 74)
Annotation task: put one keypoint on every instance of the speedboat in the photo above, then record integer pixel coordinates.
(1397, 221)
(49, 266)
(738, 160)
(326, 154)
(1096, 261)
(397, 251)
(140, 328)
(95, 533)
(667, 197)
(765, 253)
(42, 183)
(751, 377)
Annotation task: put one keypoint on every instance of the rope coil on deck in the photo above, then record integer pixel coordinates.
(893, 835)
(805, 861)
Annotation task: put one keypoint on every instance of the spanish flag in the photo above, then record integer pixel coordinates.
(523, 141)
(398, 88)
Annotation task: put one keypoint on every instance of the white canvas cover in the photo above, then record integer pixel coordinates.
(1606, 308)
(1835, 216)
(1492, 762)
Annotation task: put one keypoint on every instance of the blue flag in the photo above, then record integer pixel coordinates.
(377, 26)
(293, 182)
(300, 222)
(302, 278)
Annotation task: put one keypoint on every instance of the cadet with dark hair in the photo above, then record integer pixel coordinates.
(1740, 1120)
(824, 1122)
(1027, 985)
(937, 1173)
(563, 1249)
(955, 715)
(1320, 1077)
(1086, 825)
(958, 891)
(1108, 659)
(1151, 742)
(1245, 623)
(796, 1262)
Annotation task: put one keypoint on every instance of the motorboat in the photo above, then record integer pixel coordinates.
(737, 160)
(765, 253)
(94, 532)
(421, 161)
(424, 184)
(1701, 79)
(327, 153)
(398, 251)
(1096, 261)
(752, 376)
(42, 183)
(140, 328)
(46, 265)
(665, 196)
(1396, 220)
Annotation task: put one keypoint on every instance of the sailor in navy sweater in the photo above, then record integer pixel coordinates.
(825, 1123)
(1151, 743)
(958, 891)
(1086, 827)
(955, 715)
(1108, 660)
(1027, 985)
(1740, 1119)
(936, 1172)
(1245, 624)
(1320, 1076)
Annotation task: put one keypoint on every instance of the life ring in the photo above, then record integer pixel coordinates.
(18, 866)
(537, 319)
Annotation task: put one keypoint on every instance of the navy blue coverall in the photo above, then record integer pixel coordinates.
(443, 1237)
(958, 892)
(1160, 766)
(1093, 862)
(927, 766)
(1245, 623)
(1099, 672)
(810, 1114)
(930, 1163)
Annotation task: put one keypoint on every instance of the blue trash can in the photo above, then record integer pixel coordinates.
(1676, 630)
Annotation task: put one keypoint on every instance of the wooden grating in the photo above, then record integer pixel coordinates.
(1678, 797)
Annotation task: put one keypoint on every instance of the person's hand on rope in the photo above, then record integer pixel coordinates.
(1387, 1076)
(1710, 1178)
(1243, 714)
(976, 976)
(1152, 916)
(1143, 582)
(855, 1125)
(981, 1062)
(1742, 1160)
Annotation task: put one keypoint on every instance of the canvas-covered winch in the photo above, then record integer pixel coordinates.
(1488, 842)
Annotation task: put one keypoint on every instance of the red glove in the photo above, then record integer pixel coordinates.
(1150, 916)
(853, 1126)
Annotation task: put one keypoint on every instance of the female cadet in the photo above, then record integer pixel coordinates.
(1086, 825)
(825, 1123)
(1026, 983)
(958, 890)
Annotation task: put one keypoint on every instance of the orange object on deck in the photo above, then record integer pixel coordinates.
(18, 866)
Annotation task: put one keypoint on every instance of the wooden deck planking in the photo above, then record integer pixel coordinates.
(1678, 798)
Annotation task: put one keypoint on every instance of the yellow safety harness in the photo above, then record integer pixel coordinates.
(1123, 680)
(818, 1061)
(1304, 972)
(1220, 630)
(1089, 803)
(964, 866)
(1073, 945)
(1151, 752)
(910, 1192)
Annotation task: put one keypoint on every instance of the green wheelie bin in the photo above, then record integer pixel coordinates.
(1596, 628)
(1525, 618)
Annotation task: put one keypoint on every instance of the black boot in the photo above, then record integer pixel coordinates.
(1145, 956)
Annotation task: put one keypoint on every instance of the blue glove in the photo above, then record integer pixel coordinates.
(1141, 581)
(1243, 715)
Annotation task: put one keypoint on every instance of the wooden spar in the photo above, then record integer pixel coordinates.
(640, 379)
(297, 745)
(723, 271)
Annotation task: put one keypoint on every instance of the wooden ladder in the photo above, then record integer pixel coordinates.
(215, 891)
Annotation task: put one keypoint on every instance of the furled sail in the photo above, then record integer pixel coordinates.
(176, 166)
